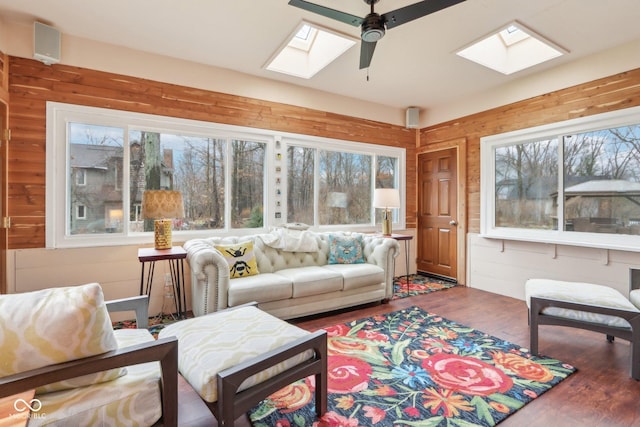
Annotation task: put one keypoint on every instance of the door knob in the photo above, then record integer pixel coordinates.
(453, 222)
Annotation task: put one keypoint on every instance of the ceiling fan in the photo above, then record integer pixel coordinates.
(374, 25)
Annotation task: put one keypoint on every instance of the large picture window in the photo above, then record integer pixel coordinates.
(232, 179)
(574, 182)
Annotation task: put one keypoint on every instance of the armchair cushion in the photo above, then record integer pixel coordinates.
(53, 326)
(133, 399)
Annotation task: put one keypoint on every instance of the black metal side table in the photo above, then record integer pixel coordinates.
(406, 238)
(176, 256)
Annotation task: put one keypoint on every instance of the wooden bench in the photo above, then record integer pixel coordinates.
(586, 306)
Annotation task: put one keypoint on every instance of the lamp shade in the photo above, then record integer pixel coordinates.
(158, 204)
(161, 205)
(386, 198)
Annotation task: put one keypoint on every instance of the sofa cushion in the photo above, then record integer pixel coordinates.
(262, 288)
(358, 275)
(241, 259)
(53, 326)
(345, 249)
(312, 280)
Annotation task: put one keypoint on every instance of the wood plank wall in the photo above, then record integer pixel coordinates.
(608, 94)
(4, 77)
(32, 83)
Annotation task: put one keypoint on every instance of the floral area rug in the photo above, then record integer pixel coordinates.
(155, 323)
(414, 368)
(416, 284)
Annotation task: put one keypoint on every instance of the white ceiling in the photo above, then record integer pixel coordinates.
(414, 64)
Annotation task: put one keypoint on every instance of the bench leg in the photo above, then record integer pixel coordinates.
(634, 347)
(322, 381)
(533, 327)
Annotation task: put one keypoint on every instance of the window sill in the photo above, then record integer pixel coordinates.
(621, 242)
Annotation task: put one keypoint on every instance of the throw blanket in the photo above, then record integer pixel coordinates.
(290, 240)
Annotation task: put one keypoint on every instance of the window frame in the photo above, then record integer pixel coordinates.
(488, 144)
(57, 172)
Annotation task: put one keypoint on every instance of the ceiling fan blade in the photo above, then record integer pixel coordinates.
(328, 12)
(366, 53)
(415, 11)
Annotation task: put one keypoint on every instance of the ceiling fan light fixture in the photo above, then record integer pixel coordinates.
(372, 28)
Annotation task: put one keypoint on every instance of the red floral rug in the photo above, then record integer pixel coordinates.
(414, 368)
(155, 323)
(416, 284)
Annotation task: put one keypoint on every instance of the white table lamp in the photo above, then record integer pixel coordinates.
(386, 198)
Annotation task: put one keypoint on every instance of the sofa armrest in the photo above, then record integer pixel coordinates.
(139, 304)
(163, 350)
(209, 277)
(382, 251)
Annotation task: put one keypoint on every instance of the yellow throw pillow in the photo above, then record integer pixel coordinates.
(52, 326)
(241, 259)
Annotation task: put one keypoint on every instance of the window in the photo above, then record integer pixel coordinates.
(81, 176)
(343, 186)
(511, 48)
(308, 50)
(301, 184)
(231, 178)
(81, 212)
(574, 182)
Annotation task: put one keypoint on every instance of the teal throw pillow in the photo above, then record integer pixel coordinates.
(346, 249)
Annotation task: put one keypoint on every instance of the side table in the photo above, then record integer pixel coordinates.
(176, 256)
(407, 248)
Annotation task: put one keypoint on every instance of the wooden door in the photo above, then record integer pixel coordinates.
(437, 213)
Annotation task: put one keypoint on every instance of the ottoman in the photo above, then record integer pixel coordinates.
(587, 306)
(237, 357)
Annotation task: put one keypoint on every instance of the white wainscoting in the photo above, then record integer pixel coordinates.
(503, 266)
(116, 268)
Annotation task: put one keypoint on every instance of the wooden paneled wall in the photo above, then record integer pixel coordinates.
(599, 96)
(4, 77)
(32, 83)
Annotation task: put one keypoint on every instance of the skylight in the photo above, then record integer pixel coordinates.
(308, 50)
(511, 48)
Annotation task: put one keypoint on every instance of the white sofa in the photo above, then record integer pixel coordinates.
(291, 283)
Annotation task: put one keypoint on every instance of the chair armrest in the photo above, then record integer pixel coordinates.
(139, 304)
(164, 350)
(230, 380)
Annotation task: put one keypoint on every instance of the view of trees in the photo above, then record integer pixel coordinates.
(345, 188)
(300, 184)
(198, 167)
(600, 173)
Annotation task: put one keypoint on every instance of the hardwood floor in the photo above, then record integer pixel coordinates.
(601, 393)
